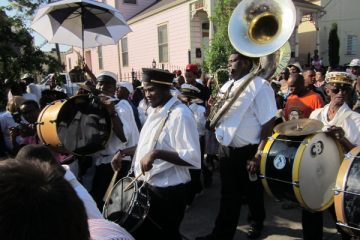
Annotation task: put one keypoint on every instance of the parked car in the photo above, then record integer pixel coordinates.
(70, 86)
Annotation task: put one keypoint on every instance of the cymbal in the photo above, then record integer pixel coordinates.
(299, 127)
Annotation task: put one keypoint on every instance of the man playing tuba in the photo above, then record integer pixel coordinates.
(242, 133)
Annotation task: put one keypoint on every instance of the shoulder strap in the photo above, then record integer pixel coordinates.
(343, 117)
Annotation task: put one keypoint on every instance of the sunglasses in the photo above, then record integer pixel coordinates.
(336, 90)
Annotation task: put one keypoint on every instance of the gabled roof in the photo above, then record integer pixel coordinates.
(308, 4)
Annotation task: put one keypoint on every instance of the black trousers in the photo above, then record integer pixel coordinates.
(167, 207)
(312, 224)
(235, 185)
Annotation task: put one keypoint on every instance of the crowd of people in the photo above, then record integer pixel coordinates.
(159, 135)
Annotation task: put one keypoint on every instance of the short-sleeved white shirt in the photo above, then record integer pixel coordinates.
(179, 134)
(199, 115)
(263, 108)
(350, 124)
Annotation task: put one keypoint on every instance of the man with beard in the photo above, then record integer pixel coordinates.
(242, 133)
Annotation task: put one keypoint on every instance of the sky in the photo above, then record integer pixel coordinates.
(38, 39)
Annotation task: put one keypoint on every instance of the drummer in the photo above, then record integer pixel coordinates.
(124, 134)
(341, 123)
(167, 148)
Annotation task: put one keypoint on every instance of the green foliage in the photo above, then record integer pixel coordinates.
(18, 55)
(334, 45)
(216, 55)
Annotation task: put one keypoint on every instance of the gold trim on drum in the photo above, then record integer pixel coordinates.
(47, 127)
(340, 187)
(296, 170)
(264, 154)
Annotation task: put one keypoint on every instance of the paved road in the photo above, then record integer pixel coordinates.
(280, 224)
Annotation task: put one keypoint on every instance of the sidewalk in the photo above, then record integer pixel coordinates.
(280, 224)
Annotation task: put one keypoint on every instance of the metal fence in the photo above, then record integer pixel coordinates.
(137, 74)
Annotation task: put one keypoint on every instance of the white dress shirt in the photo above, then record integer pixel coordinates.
(199, 115)
(179, 134)
(350, 124)
(255, 106)
(102, 229)
(6, 122)
(131, 132)
(90, 206)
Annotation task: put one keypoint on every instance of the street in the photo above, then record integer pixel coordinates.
(280, 224)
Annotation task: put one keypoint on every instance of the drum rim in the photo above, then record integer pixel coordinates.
(340, 185)
(132, 202)
(264, 154)
(41, 122)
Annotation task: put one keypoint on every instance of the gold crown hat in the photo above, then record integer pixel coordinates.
(341, 78)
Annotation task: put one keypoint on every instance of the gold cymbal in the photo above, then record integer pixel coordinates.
(299, 127)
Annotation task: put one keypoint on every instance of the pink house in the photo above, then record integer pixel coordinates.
(167, 34)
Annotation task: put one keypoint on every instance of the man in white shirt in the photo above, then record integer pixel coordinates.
(190, 96)
(341, 123)
(124, 134)
(242, 133)
(168, 146)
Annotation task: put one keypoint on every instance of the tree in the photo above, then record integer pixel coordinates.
(18, 55)
(27, 9)
(334, 45)
(216, 55)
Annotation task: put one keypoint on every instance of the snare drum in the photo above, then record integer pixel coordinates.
(79, 125)
(347, 193)
(127, 208)
(301, 169)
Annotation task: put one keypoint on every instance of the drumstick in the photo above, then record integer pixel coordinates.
(132, 182)
(111, 185)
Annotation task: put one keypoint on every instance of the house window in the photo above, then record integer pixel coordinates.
(100, 57)
(205, 29)
(351, 43)
(130, 1)
(104, 1)
(117, 4)
(124, 52)
(69, 63)
(163, 43)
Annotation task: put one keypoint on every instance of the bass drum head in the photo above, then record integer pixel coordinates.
(83, 125)
(119, 203)
(318, 168)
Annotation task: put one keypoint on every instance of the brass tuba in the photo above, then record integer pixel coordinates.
(258, 29)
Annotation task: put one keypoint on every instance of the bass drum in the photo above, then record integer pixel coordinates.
(347, 193)
(127, 208)
(302, 169)
(78, 125)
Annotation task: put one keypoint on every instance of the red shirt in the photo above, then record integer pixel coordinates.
(301, 107)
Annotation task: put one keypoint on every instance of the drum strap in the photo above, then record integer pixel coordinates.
(341, 119)
(158, 132)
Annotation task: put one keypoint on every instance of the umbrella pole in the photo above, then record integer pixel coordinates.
(82, 43)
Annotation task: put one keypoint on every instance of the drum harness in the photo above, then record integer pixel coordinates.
(156, 139)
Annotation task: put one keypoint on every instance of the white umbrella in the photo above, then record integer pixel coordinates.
(80, 23)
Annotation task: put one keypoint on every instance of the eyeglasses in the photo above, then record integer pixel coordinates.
(336, 90)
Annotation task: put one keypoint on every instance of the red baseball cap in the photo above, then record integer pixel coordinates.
(192, 67)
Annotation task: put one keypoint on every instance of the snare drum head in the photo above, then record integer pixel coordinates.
(317, 171)
(119, 202)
